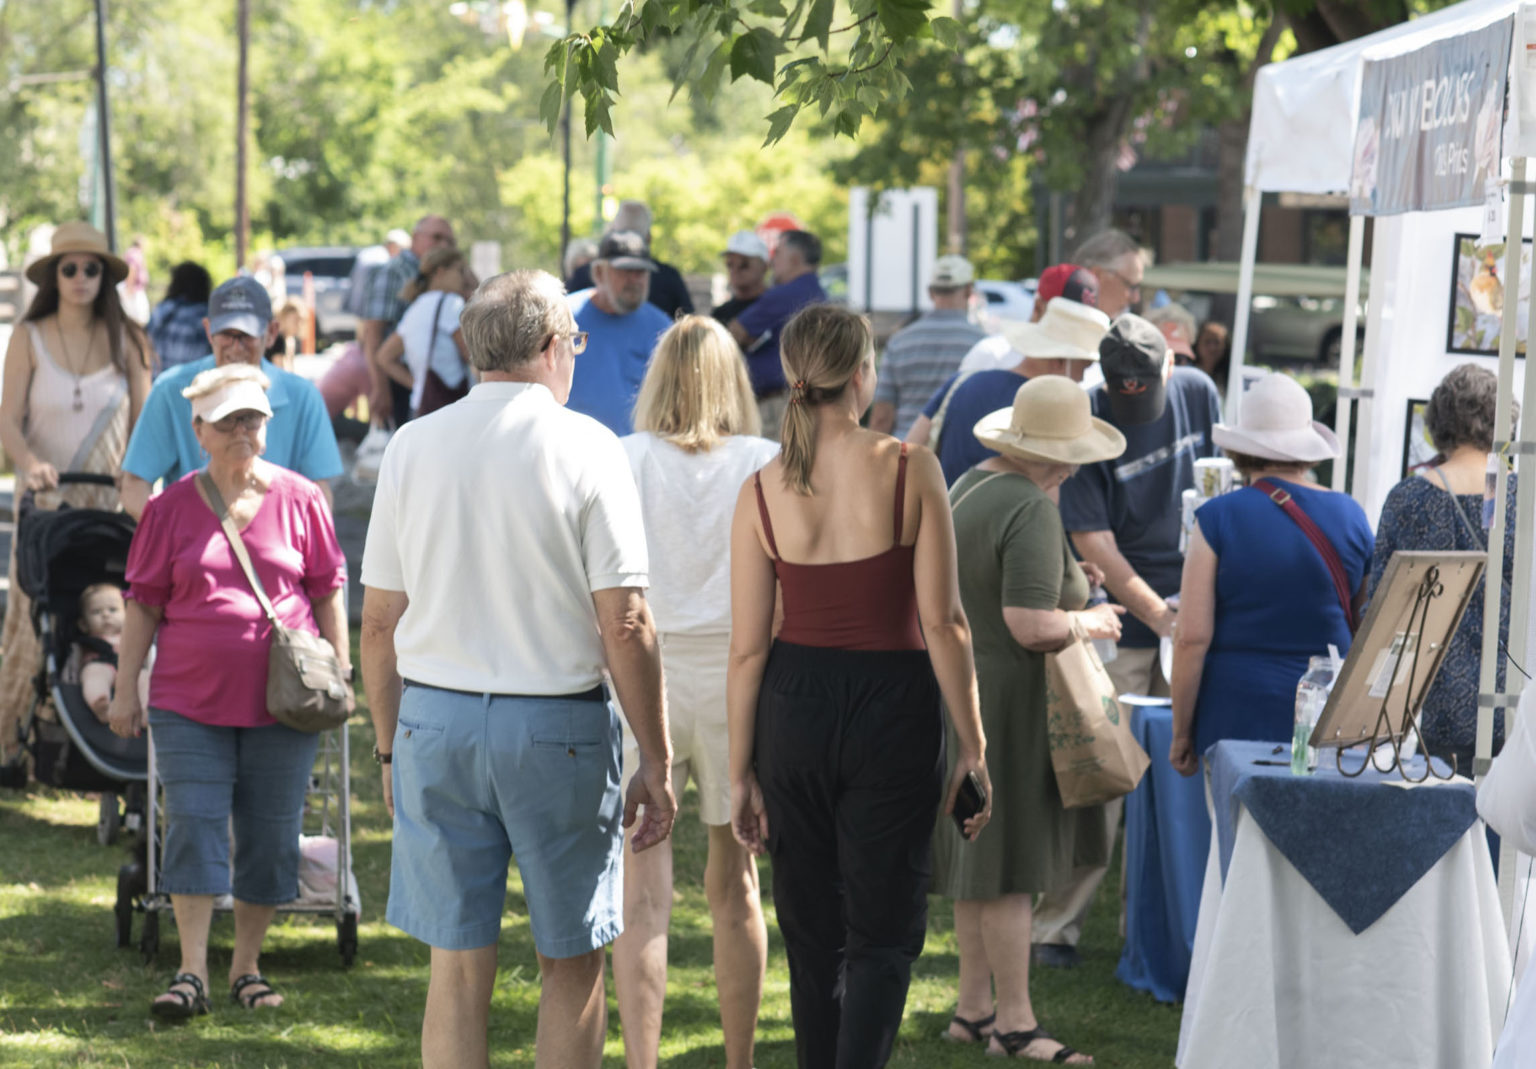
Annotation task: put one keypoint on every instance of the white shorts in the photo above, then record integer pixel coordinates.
(695, 667)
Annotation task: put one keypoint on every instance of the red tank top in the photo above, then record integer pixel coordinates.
(868, 604)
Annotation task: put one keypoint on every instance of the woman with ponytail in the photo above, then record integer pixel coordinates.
(836, 731)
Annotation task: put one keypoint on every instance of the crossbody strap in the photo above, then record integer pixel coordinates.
(969, 490)
(1319, 541)
(432, 337)
(215, 502)
(1479, 539)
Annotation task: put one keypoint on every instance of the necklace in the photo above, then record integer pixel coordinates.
(69, 360)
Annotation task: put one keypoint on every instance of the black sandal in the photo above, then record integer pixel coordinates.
(1014, 1042)
(973, 1027)
(186, 1006)
(252, 1001)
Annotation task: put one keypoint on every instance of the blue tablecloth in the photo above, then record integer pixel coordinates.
(1361, 843)
(1167, 840)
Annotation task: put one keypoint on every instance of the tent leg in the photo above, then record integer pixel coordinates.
(1253, 201)
(1347, 349)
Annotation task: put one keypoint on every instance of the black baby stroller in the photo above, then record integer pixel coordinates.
(58, 555)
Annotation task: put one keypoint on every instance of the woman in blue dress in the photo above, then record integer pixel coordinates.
(1258, 599)
(1442, 509)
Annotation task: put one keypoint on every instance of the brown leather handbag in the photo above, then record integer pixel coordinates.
(306, 688)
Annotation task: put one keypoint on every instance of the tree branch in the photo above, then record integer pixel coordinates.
(844, 29)
(883, 57)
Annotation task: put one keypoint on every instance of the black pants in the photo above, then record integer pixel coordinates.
(850, 756)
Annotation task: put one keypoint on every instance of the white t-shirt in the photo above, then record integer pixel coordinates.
(423, 349)
(498, 518)
(996, 353)
(688, 500)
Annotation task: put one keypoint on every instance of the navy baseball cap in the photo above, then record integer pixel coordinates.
(1133, 356)
(626, 250)
(240, 304)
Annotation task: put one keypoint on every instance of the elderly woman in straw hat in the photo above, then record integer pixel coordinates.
(76, 375)
(222, 760)
(1259, 597)
(1023, 592)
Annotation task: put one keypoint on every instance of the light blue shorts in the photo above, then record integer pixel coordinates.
(480, 778)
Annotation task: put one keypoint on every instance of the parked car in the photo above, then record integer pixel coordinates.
(331, 267)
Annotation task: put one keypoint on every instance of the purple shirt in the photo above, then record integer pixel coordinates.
(211, 664)
(765, 320)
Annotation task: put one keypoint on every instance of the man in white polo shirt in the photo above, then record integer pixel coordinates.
(504, 571)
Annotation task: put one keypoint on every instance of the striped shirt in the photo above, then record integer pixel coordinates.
(919, 358)
(384, 286)
(176, 331)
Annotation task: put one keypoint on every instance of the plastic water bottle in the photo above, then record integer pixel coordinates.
(1107, 649)
(1311, 695)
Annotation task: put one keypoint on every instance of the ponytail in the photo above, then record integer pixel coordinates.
(435, 261)
(821, 348)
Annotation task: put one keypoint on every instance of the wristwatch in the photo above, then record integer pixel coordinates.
(381, 758)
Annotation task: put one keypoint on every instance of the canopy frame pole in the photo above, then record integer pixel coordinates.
(1253, 203)
(1345, 402)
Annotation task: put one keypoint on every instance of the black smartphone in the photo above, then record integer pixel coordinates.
(970, 800)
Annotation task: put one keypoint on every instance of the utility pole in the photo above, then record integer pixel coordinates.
(242, 121)
(104, 126)
(957, 173)
(565, 133)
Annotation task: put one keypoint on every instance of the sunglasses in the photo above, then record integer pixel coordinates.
(92, 268)
(251, 421)
(578, 341)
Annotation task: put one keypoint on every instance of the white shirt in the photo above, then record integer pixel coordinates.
(498, 517)
(996, 353)
(688, 500)
(423, 349)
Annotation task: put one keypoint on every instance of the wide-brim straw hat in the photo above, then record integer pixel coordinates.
(1068, 330)
(78, 237)
(1275, 423)
(1051, 420)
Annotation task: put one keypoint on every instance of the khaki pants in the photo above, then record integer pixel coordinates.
(1059, 914)
(771, 409)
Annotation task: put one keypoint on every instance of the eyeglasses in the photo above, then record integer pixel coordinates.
(92, 268)
(238, 337)
(251, 420)
(578, 341)
(1130, 287)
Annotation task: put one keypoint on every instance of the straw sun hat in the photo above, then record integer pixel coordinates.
(78, 237)
(1051, 420)
(1275, 423)
(1068, 330)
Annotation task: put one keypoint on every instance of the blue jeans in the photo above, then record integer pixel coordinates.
(256, 775)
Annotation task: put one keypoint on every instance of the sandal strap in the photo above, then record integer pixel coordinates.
(251, 979)
(974, 1027)
(190, 980)
(1014, 1042)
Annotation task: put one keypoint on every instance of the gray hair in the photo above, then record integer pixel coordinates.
(1179, 316)
(510, 318)
(1105, 248)
(579, 251)
(1461, 409)
(808, 245)
(632, 215)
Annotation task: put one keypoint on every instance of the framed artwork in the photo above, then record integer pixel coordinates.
(1477, 297)
(1418, 450)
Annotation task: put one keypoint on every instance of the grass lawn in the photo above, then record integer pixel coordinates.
(68, 997)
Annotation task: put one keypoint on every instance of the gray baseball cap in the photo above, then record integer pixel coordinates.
(626, 250)
(240, 304)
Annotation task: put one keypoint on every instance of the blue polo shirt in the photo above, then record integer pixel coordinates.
(299, 435)
(979, 395)
(764, 322)
(608, 373)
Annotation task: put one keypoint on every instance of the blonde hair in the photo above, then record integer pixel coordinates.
(696, 390)
(439, 258)
(821, 348)
(216, 378)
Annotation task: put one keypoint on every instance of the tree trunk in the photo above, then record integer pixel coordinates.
(1093, 207)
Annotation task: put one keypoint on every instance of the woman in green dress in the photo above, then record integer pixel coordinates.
(1023, 593)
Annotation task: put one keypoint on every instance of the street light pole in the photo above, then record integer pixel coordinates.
(242, 121)
(104, 126)
(565, 133)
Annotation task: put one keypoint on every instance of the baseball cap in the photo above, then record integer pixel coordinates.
(952, 271)
(1070, 281)
(1132, 356)
(240, 304)
(747, 243)
(398, 237)
(241, 388)
(1174, 335)
(626, 250)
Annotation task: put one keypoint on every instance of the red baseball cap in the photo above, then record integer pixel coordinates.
(1070, 281)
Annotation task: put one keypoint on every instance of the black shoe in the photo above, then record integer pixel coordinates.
(1055, 956)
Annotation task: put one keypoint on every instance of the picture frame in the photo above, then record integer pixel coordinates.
(1475, 319)
(1418, 451)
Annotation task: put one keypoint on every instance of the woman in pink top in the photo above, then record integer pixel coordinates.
(218, 752)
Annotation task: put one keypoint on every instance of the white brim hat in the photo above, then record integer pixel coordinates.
(1067, 331)
(1052, 420)
(1275, 423)
(240, 395)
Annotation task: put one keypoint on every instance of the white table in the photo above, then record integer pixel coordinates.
(1278, 981)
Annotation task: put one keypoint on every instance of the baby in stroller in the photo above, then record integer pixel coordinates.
(101, 629)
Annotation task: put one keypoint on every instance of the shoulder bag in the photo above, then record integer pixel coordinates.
(1314, 534)
(435, 393)
(306, 688)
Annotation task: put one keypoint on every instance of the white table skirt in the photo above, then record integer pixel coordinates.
(1278, 981)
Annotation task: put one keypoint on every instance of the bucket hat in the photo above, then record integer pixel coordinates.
(1051, 419)
(1275, 423)
(78, 237)
(1067, 330)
